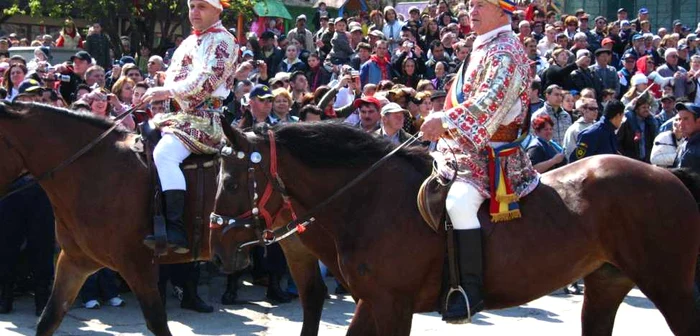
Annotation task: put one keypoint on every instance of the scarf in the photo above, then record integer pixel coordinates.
(383, 64)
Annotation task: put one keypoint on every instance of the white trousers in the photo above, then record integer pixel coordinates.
(463, 202)
(168, 155)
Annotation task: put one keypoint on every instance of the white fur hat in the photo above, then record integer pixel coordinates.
(639, 79)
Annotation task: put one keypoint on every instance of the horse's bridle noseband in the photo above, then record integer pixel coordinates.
(251, 218)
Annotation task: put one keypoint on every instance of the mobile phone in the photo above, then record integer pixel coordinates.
(354, 73)
(410, 44)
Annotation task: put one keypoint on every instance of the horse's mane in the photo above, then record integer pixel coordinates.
(339, 145)
(19, 110)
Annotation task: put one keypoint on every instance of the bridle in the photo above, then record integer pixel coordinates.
(251, 219)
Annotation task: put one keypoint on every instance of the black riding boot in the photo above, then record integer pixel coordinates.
(275, 292)
(190, 298)
(469, 256)
(174, 211)
(41, 298)
(6, 297)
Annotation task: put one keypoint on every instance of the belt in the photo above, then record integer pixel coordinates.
(506, 133)
(210, 103)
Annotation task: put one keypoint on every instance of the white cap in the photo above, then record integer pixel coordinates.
(301, 17)
(639, 79)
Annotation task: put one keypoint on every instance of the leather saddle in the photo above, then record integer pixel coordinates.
(431, 200)
(200, 173)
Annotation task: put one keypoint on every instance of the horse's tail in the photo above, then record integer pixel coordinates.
(690, 179)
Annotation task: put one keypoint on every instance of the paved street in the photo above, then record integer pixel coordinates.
(556, 314)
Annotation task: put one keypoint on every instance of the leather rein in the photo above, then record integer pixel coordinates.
(251, 218)
(48, 174)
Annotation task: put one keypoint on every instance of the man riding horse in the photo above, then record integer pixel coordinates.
(483, 114)
(199, 78)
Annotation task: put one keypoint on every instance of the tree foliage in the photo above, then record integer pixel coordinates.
(144, 17)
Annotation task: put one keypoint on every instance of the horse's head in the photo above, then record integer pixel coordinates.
(12, 165)
(247, 200)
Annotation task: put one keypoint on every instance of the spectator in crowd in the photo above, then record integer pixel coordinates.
(600, 138)
(683, 84)
(643, 16)
(292, 62)
(561, 120)
(639, 84)
(97, 45)
(689, 152)
(132, 71)
(281, 104)
(260, 100)
(101, 286)
(629, 62)
(105, 104)
(320, 13)
(605, 72)
(369, 113)
(154, 66)
(392, 28)
(378, 67)
(340, 43)
(69, 37)
(13, 77)
(123, 89)
(73, 74)
(547, 44)
(559, 71)
(272, 54)
(536, 102)
(169, 53)
(4, 47)
(589, 113)
(668, 109)
(310, 113)
(316, 75)
(638, 130)
(584, 77)
(95, 75)
(666, 144)
(392, 121)
(301, 34)
(544, 154)
(42, 57)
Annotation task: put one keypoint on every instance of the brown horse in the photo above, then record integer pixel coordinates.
(102, 206)
(611, 220)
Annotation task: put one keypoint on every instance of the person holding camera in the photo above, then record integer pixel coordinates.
(73, 74)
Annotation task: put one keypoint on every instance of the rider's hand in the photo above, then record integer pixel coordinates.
(433, 127)
(156, 94)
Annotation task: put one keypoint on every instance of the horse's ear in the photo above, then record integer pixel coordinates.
(235, 137)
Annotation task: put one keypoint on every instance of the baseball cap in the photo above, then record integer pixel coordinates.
(692, 108)
(126, 60)
(621, 10)
(600, 51)
(261, 91)
(643, 10)
(582, 53)
(637, 37)
(438, 94)
(340, 19)
(691, 37)
(392, 108)
(413, 9)
(355, 27)
(677, 23)
(82, 55)
(247, 53)
(282, 76)
(606, 41)
(377, 33)
(301, 17)
(682, 46)
(624, 23)
(648, 36)
(30, 86)
(668, 97)
(368, 100)
(629, 55)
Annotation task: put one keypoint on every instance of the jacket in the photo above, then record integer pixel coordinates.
(629, 137)
(689, 154)
(597, 139)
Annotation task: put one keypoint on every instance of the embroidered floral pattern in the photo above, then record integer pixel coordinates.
(499, 83)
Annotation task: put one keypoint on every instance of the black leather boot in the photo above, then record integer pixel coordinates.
(6, 297)
(174, 211)
(275, 293)
(190, 298)
(469, 256)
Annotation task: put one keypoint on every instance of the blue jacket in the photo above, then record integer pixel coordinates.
(371, 73)
(689, 154)
(597, 139)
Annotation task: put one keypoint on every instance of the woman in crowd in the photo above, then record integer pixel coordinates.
(377, 19)
(105, 104)
(42, 58)
(12, 78)
(666, 144)
(281, 102)
(423, 107)
(410, 71)
(440, 80)
(317, 75)
(568, 104)
(69, 37)
(543, 153)
(432, 32)
(392, 28)
(132, 71)
(124, 90)
(638, 130)
(425, 85)
(638, 84)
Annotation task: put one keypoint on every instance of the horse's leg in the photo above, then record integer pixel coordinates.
(71, 272)
(675, 300)
(142, 278)
(606, 288)
(362, 323)
(392, 315)
(305, 272)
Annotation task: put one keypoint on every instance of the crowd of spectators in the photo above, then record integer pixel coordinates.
(385, 72)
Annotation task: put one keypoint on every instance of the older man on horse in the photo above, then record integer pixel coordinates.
(199, 78)
(481, 120)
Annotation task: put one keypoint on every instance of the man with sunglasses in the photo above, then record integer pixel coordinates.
(682, 84)
(588, 108)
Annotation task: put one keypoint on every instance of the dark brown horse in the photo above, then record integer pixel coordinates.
(102, 205)
(611, 220)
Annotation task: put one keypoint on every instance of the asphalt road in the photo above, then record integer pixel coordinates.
(555, 314)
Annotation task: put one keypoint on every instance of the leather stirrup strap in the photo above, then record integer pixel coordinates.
(199, 213)
(159, 231)
(451, 253)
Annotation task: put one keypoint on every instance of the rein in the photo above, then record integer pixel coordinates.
(117, 120)
(299, 225)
